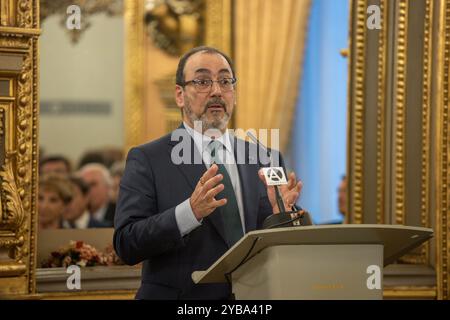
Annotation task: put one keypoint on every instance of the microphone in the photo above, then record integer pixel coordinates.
(275, 176)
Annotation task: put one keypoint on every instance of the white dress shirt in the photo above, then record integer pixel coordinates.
(99, 215)
(184, 215)
(81, 223)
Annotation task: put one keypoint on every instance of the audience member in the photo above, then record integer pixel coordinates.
(117, 170)
(112, 155)
(92, 156)
(55, 194)
(55, 164)
(106, 156)
(99, 181)
(77, 214)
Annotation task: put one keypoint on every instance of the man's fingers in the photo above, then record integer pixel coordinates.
(211, 172)
(214, 192)
(291, 198)
(211, 183)
(292, 181)
(218, 203)
(299, 186)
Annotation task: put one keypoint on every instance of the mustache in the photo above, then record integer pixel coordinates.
(215, 101)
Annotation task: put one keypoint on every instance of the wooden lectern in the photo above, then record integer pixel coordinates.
(314, 262)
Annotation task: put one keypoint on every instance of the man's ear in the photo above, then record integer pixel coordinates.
(179, 96)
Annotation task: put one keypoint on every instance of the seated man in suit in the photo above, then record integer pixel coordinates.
(77, 215)
(99, 182)
(180, 216)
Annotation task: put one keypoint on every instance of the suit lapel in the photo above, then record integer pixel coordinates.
(192, 172)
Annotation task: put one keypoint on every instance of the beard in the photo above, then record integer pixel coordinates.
(216, 120)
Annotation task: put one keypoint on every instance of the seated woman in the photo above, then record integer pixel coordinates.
(77, 215)
(55, 194)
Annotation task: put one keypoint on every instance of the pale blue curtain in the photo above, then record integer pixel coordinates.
(317, 149)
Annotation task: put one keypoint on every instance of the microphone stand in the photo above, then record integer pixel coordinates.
(283, 218)
(280, 202)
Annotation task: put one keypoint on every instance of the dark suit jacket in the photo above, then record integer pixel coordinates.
(94, 223)
(109, 214)
(146, 228)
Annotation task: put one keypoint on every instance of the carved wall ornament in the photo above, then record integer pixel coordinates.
(175, 26)
(19, 22)
(12, 215)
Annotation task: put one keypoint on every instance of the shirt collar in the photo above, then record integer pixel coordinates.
(202, 141)
(83, 221)
(100, 213)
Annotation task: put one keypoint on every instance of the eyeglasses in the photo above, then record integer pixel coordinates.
(205, 85)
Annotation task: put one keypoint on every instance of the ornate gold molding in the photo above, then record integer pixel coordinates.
(26, 16)
(381, 111)
(18, 13)
(89, 295)
(34, 160)
(18, 173)
(20, 31)
(13, 43)
(7, 13)
(421, 256)
(442, 177)
(409, 292)
(134, 73)
(400, 111)
(430, 112)
(349, 163)
(358, 57)
(12, 212)
(12, 269)
(426, 123)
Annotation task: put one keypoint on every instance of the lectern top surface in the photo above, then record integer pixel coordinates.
(396, 239)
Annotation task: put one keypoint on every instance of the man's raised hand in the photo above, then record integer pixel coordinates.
(202, 200)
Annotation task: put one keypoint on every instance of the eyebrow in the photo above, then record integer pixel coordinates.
(202, 70)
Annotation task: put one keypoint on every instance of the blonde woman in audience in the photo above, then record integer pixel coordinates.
(55, 194)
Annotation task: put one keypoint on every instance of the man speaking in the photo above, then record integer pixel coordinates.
(181, 216)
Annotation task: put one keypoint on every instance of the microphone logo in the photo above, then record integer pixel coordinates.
(274, 176)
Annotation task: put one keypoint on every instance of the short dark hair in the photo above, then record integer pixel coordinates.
(56, 158)
(187, 55)
(92, 156)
